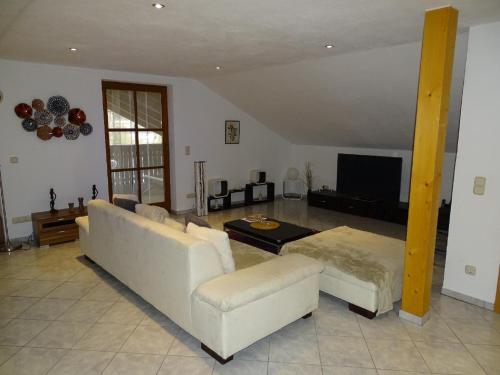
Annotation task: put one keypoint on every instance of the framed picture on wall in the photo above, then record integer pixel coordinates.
(232, 132)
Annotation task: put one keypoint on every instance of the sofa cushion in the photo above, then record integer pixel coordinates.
(131, 197)
(219, 239)
(174, 224)
(191, 218)
(154, 213)
(127, 204)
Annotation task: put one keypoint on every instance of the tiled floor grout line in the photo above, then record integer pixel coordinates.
(466, 348)
(317, 342)
(366, 344)
(81, 338)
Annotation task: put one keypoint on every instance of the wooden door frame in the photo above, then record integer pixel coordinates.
(126, 86)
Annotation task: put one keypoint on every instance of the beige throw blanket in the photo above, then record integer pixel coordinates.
(367, 256)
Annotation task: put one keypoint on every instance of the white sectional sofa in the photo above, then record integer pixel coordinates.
(183, 277)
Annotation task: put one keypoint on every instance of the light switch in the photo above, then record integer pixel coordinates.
(13, 159)
(187, 150)
(479, 185)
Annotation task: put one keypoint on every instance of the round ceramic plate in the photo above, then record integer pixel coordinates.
(71, 132)
(29, 124)
(85, 128)
(43, 117)
(58, 105)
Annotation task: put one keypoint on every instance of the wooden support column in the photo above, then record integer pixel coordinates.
(436, 63)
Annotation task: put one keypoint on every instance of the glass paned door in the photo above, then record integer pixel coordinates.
(137, 141)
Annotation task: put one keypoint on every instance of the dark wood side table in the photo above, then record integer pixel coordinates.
(53, 228)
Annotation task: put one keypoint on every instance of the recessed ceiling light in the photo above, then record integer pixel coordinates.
(218, 68)
(328, 46)
(73, 49)
(158, 5)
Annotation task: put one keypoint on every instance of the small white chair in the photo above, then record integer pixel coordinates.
(293, 185)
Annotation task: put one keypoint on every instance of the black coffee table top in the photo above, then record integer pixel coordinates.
(285, 233)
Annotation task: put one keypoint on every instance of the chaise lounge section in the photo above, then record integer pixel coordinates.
(365, 269)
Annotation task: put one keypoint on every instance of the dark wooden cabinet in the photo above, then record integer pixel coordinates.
(376, 209)
(53, 228)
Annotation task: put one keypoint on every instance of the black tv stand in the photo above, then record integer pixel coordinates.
(396, 212)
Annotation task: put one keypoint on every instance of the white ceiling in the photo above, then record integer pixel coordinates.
(274, 66)
(360, 99)
(191, 37)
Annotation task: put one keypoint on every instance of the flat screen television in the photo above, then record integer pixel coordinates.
(369, 177)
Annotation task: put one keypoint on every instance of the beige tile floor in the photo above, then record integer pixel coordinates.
(61, 315)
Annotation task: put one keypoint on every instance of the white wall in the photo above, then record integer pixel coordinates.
(324, 164)
(196, 118)
(475, 220)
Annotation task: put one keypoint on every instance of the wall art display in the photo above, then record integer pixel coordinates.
(29, 124)
(86, 128)
(76, 116)
(58, 105)
(232, 132)
(60, 121)
(200, 188)
(38, 104)
(53, 120)
(23, 110)
(57, 132)
(43, 117)
(71, 132)
(44, 132)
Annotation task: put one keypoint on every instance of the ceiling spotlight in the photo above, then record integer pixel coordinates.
(218, 68)
(328, 46)
(73, 49)
(158, 5)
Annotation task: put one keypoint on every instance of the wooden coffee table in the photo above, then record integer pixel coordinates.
(269, 240)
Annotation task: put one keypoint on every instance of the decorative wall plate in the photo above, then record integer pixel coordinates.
(58, 105)
(43, 117)
(29, 124)
(76, 116)
(60, 121)
(44, 132)
(57, 132)
(23, 110)
(86, 128)
(38, 104)
(71, 132)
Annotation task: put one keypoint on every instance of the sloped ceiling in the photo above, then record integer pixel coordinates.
(362, 99)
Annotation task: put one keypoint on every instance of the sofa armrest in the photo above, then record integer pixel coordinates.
(83, 223)
(232, 290)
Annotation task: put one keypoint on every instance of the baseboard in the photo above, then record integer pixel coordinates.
(182, 212)
(468, 299)
(420, 320)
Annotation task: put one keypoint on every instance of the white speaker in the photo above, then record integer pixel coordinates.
(217, 188)
(257, 176)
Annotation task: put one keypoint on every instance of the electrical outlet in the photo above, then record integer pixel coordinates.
(191, 195)
(470, 270)
(187, 150)
(21, 219)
